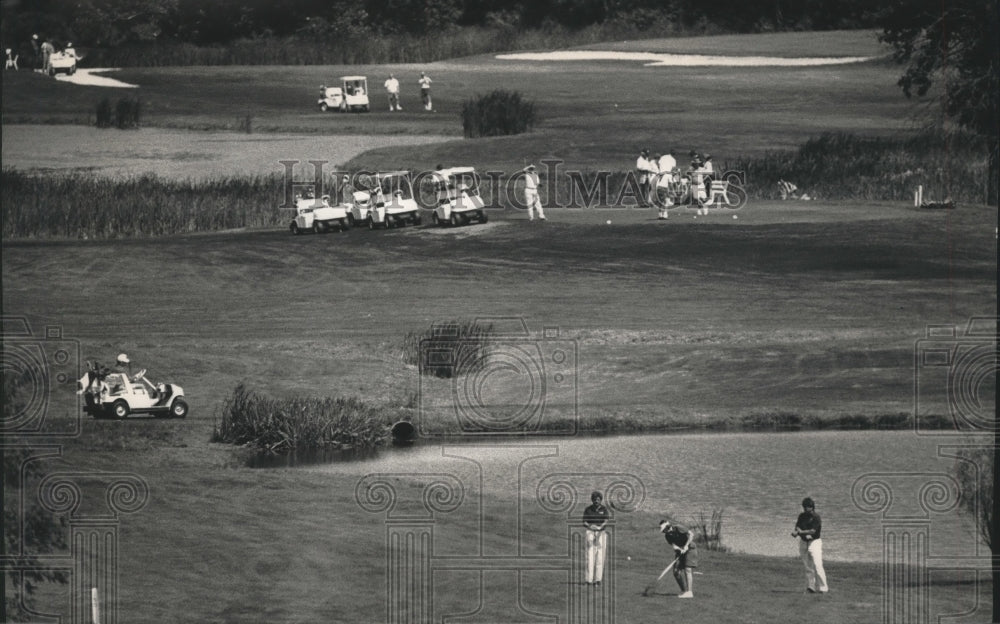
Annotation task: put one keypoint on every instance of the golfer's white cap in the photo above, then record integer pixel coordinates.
(529, 168)
(664, 525)
(122, 358)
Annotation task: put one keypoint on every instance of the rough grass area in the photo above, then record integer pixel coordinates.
(449, 349)
(84, 206)
(279, 425)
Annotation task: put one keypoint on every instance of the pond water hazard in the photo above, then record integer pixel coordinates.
(859, 479)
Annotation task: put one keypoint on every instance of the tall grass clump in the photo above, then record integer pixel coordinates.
(449, 349)
(708, 531)
(279, 425)
(847, 166)
(500, 113)
(82, 206)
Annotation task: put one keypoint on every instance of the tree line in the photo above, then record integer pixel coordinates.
(111, 23)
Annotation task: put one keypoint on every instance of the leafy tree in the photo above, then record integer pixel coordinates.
(955, 43)
(42, 532)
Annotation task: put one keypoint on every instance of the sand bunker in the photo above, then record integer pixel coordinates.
(651, 59)
(90, 78)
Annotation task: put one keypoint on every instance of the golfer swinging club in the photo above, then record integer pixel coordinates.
(685, 553)
(595, 518)
(808, 528)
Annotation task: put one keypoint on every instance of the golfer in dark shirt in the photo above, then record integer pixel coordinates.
(808, 528)
(595, 518)
(682, 540)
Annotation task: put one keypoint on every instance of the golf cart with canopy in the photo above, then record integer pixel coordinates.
(392, 200)
(458, 199)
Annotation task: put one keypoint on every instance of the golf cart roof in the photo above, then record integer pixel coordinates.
(393, 174)
(450, 171)
(351, 78)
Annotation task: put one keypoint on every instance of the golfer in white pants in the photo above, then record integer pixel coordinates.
(531, 194)
(595, 518)
(808, 528)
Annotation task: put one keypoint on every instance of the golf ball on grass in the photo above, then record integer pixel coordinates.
(735, 217)
(608, 221)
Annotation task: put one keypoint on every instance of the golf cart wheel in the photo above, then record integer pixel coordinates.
(294, 228)
(366, 108)
(52, 72)
(454, 219)
(344, 225)
(350, 220)
(317, 228)
(371, 222)
(435, 220)
(179, 408)
(119, 409)
(483, 218)
(343, 107)
(323, 107)
(417, 220)
(72, 70)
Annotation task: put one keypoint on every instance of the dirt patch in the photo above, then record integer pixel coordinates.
(468, 231)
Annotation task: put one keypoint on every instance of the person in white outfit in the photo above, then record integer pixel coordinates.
(808, 528)
(531, 193)
(392, 88)
(595, 518)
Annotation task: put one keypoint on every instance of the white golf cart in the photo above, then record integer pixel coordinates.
(117, 396)
(330, 98)
(318, 215)
(458, 199)
(62, 62)
(392, 201)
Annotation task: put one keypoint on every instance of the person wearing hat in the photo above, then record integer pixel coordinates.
(646, 173)
(531, 193)
(392, 87)
(681, 539)
(595, 518)
(425, 91)
(123, 363)
(808, 529)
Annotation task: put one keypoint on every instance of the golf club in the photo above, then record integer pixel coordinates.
(645, 592)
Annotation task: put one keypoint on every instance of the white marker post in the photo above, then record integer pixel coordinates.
(920, 193)
(95, 606)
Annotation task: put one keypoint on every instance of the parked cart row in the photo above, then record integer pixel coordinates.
(386, 200)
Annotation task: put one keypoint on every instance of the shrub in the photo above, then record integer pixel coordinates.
(499, 113)
(127, 113)
(449, 349)
(279, 425)
(105, 116)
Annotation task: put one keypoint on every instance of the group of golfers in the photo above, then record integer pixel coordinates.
(661, 172)
(808, 528)
(392, 92)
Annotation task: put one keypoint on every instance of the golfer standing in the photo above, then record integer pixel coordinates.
(392, 87)
(643, 171)
(425, 90)
(531, 193)
(686, 553)
(595, 518)
(47, 51)
(808, 528)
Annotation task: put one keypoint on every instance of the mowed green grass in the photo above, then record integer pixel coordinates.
(812, 310)
(591, 115)
(809, 308)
